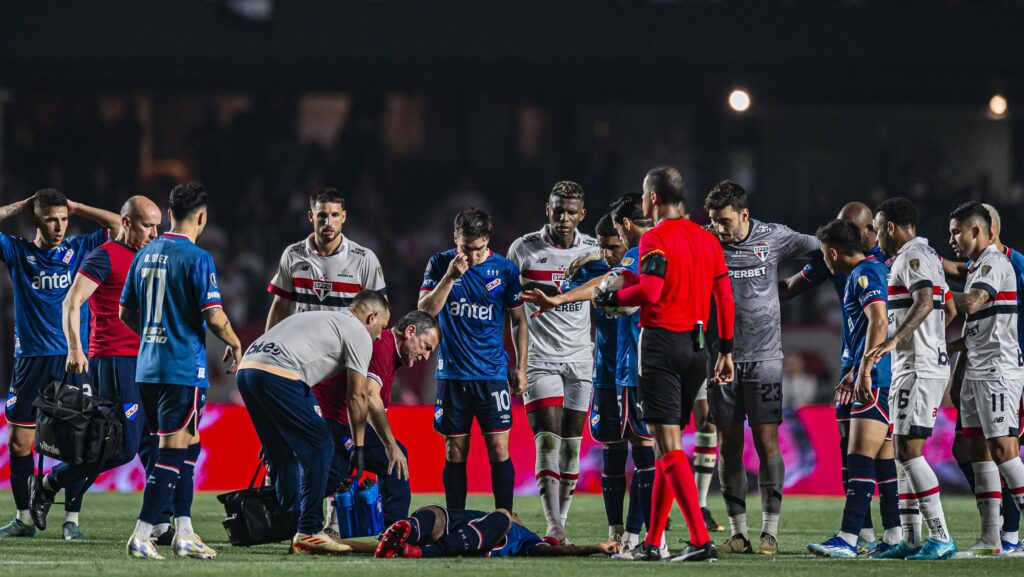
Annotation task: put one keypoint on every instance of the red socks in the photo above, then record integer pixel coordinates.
(674, 477)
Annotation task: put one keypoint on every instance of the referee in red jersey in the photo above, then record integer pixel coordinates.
(681, 267)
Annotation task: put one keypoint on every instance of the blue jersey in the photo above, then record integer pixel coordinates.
(171, 282)
(626, 369)
(868, 283)
(605, 327)
(1017, 262)
(817, 272)
(473, 317)
(41, 280)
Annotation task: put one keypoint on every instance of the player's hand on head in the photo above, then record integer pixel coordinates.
(25, 206)
(398, 465)
(77, 363)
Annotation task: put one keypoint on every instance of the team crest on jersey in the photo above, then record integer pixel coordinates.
(131, 410)
(493, 284)
(70, 254)
(627, 261)
(558, 278)
(862, 281)
(762, 250)
(915, 264)
(322, 288)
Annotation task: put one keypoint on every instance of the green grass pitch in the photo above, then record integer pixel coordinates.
(108, 519)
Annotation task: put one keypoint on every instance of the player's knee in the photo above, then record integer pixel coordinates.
(19, 444)
(456, 449)
(497, 452)
(1002, 449)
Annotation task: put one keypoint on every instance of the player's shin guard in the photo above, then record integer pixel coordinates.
(22, 469)
(926, 488)
(733, 478)
(643, 481)
(422, 525)
(1013, 472)
(503, 483)
(477, 536)
(455, 485)
(569, 471)
(679, 477)
(661, 506)
(705, 455)
(160, 484)
(987, 494)
(860, 487)
(888, 498)
(910, 513)
(770, 480)
(546, 468)
(613, 483)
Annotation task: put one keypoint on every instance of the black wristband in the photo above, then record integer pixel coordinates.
(725, 346)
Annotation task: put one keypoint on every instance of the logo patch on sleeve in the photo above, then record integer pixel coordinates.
(862, 282)
(915, 264)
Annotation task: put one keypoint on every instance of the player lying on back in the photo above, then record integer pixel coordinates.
(433, 531)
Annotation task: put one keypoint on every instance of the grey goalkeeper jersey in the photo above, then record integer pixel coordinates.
(316, 345)
(754, 271)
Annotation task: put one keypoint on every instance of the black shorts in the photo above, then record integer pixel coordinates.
(755, 394)
(671, 373)
(31, 376)
(459, 402)
(171, 408)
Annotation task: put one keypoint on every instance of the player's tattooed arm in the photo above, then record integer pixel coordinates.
(220, 326)
(109, 220)
(16, 208)
(521, 342)
(919, 311)
(950, 308)
(970, 301)
(130, 318)
(81, 290)
(878, 326)
(432, 301)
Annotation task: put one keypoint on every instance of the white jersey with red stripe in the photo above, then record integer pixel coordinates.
(324, 283)
(992, 349)
(918, 266)
(563, 334)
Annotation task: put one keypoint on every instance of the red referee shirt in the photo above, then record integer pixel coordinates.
(695, 269)
(332, 394)
(108, 267)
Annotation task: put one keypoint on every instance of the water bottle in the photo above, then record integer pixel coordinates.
(370, 510)
(345, 509)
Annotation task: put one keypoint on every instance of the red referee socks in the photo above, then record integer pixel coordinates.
(674, 477)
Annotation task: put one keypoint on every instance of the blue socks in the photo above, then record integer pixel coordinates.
(455, 485)
(22, 469)
(860, 487)
(888, 492)
(503, 484)
(161, 483)
(613, 483)
(185, 488)
(641, 489)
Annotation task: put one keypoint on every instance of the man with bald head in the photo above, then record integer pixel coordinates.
(112, 350)
(816, 273)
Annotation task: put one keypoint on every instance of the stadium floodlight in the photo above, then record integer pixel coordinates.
(739, 100)
(997, 106)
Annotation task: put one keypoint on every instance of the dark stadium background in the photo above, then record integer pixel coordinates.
(416, 109)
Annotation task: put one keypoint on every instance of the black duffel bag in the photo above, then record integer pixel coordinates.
(75, 427)
(254, 515)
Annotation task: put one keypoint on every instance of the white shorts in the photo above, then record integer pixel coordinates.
(568, 385)
(990, 407)
(702, 394)
(914, 404)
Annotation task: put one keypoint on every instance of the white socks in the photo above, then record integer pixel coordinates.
(143, 531)
(705, 456)
(1013, 474)
(569, 470)
(925, 486)
(183, 527)
(988, 494)
(546, 467)
(738, 525)
(910, 514)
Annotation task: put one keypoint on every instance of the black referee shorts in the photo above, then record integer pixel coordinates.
(671, 374)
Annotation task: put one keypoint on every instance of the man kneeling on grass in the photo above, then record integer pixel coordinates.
(434, 531)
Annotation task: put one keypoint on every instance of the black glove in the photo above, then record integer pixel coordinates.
(356, 463)
(606, 299)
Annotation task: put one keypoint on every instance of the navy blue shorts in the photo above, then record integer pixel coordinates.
(459, 402)
(171, 408)
(612, 411)
(113, 379)
(31, 376)
(877, 410)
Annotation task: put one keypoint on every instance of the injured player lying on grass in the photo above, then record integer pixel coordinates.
(433, 531)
